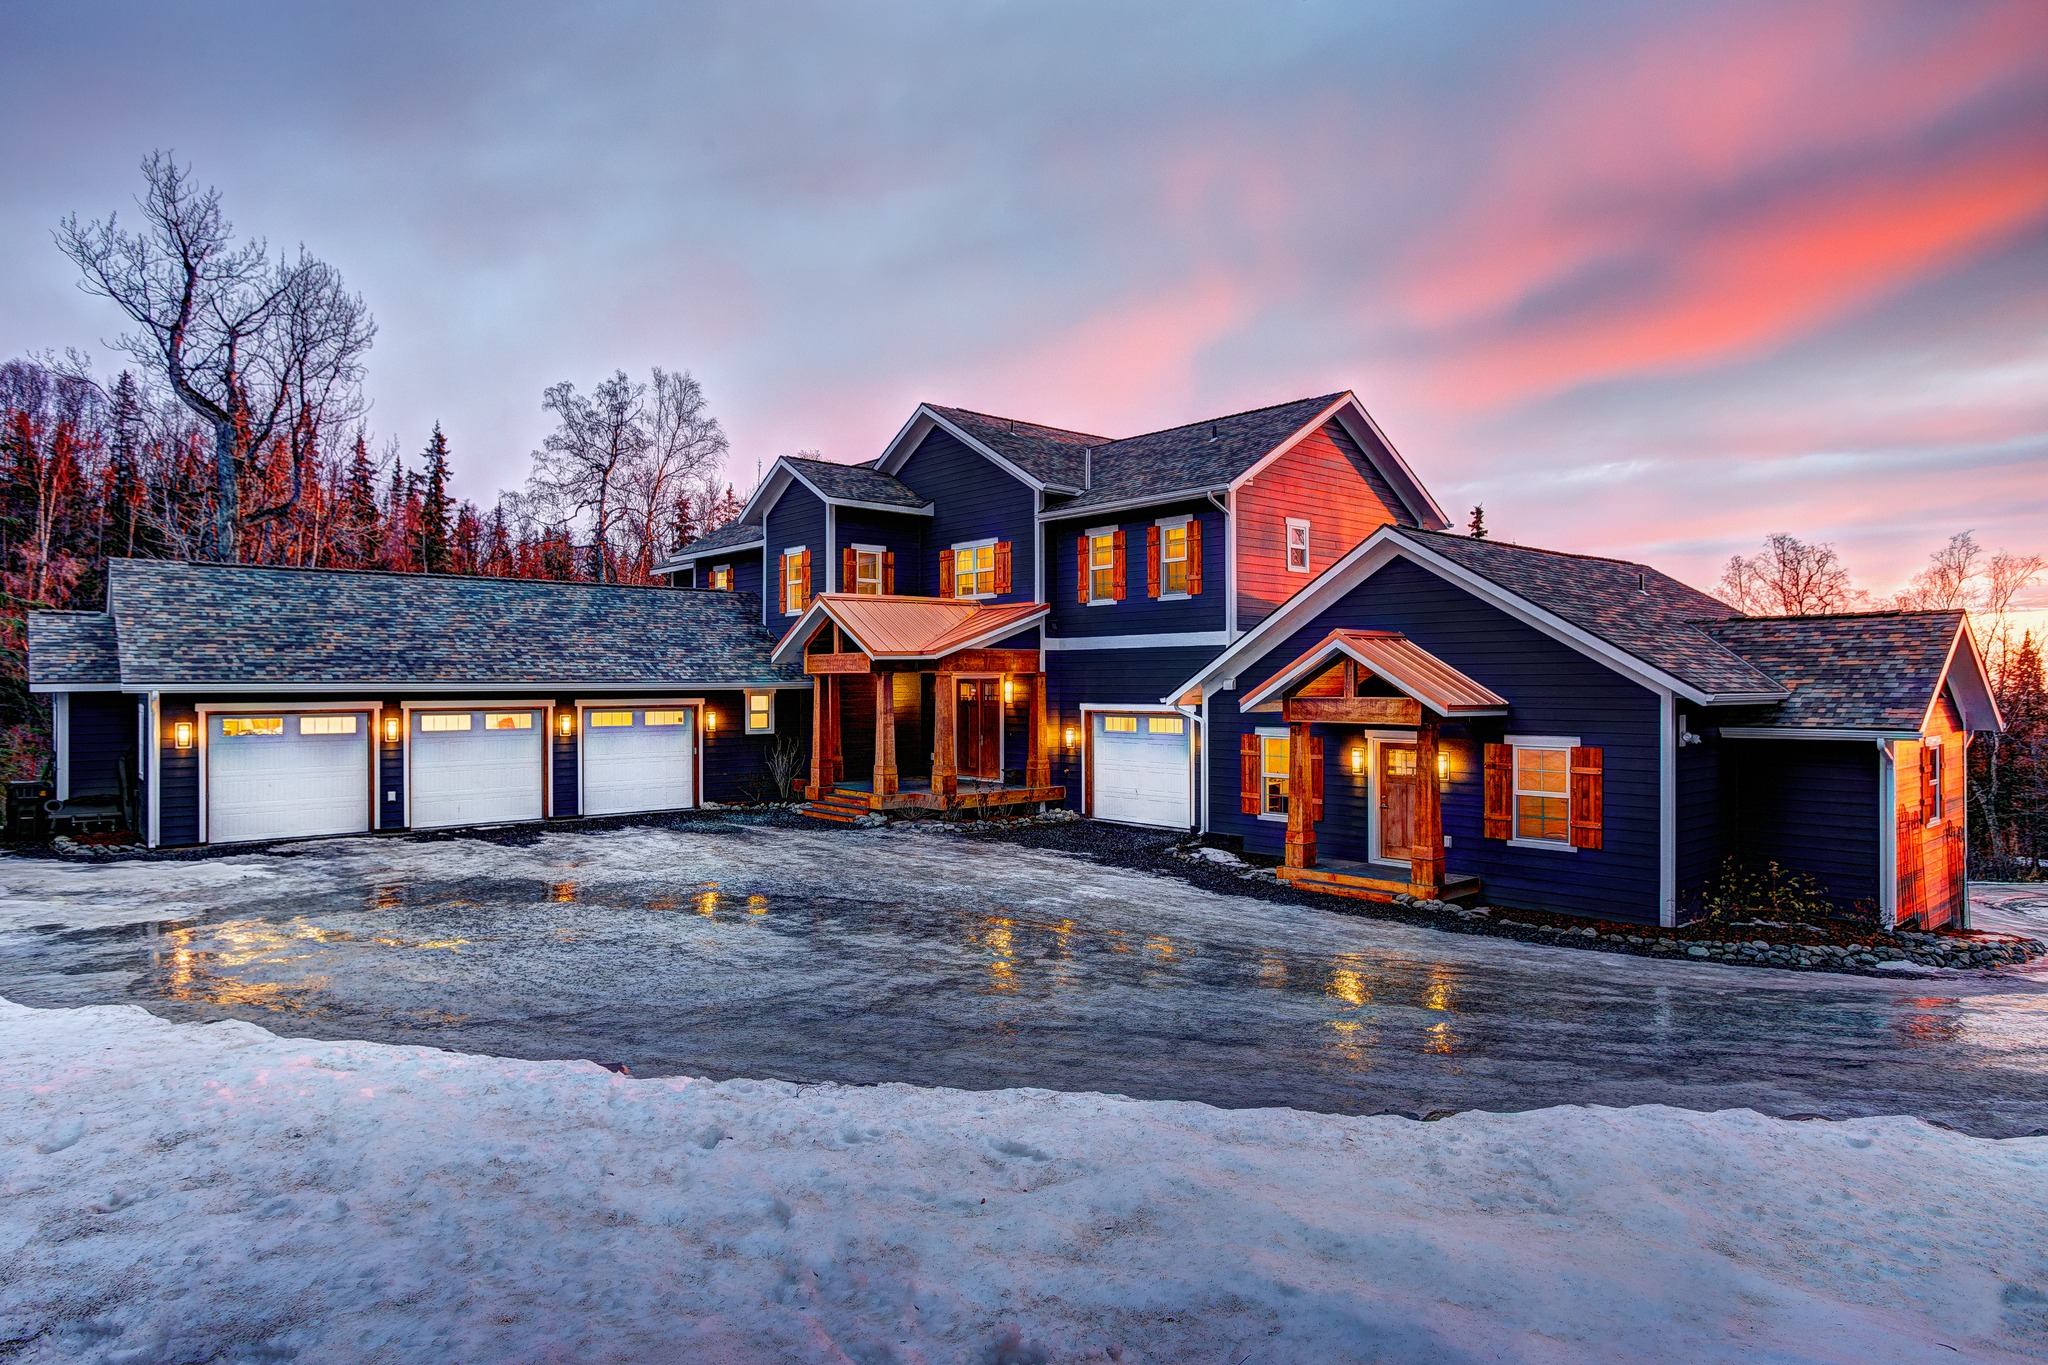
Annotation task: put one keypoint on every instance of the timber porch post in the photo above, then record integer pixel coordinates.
(1038, 760)
(885, 734)
(821, 706)
(1426, 867)
(1301, 775)
(945, 704)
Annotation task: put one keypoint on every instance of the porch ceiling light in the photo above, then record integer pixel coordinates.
(181, 734)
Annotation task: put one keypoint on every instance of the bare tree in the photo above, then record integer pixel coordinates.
(2006, 576)
(267, 353)
(1948, 581)
(676, 472)
(580, 473)
(1789, 578)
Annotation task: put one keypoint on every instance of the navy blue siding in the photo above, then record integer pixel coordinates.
(1137, 614)
(797, 518)
(975, 499)
(562, 753)
(1808, 805)
(102, 737)
(1702, 838)
(735, 763)
(1108, 677)
(178, 794)
(685, 577)
(1552, 690)
(902, 535)
(391, 772)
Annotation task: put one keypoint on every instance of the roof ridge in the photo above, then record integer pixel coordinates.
(1873, 613)
(386, 573)
(1323, 399)
(1021, 422)
(1543, 550)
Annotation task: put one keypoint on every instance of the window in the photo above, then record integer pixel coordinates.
(796, 582)
(508, 720)
(721, 578)
(603, 720)
(1165, 725)
(239, 726)
(974, 570)
(327, 725)
(1930, 780)
(1273, 774)
(1120, 725)
(1543, 794)
(677, 717)
(760, 713)
(1102, 566)
(867, 571)
(1297, 545)
(1173, 560)
(444, 721)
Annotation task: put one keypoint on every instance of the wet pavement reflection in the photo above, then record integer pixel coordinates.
(983, 974)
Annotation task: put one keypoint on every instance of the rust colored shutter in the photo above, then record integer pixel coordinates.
(782, 584)
(1248, 783)
(849, 571)
(1081, 564)
(1117, 566)
(1588, 798)
(1002, 566)
(1315, 778)
(806, 593)
(1194, 556)
(1151, 561)
(945, 573)
(889, 573)
(1500, 784)
(1930, 795)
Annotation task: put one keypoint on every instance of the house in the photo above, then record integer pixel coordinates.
(1436, 714)
(1255, 627)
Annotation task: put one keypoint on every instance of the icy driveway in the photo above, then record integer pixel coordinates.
(904, 955)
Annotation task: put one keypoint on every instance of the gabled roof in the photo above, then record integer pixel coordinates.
(1053, 456)
(1878, 671)
(70, 650)
(243, 627)
(1199, 455)
(908, 627)
(736, 535)
(854, 483)
(1413, 671)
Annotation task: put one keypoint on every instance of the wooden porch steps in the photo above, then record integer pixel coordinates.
(837, 807)
(1358, 882)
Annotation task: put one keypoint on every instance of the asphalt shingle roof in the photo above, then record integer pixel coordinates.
(1048, 454)
(193, 625)
(1199, 455)
(724, 538)
(856, 483)
(74, 648)
(1633, 607)
(1867, 671)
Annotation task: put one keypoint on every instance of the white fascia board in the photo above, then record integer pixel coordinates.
(44, 689)
(924, 420)
(756, 509)
(1412, 490)
(687, 558)
(1795, 732)
(1192, 494)
(1301, 434)
(800, 477)
(1186, 639)
(1313, 662)
(800, 631)
(1980, 682)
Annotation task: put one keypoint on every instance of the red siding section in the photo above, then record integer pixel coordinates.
(1930, 850)
(1325, 480)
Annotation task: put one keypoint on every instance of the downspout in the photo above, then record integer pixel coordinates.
(831, 547)
(1229, 576)
(1667, 811)
(60, 740)
(1887, 836)
(152, 763)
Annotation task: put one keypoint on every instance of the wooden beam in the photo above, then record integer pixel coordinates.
(945, 752)
(815, 664)
(885, 734)
(821, 701)
(1301, 830)
(1400, 711)
(990, 661)
(1038, 757)
(1426, 865)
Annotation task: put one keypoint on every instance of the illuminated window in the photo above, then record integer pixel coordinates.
(1297, 546)
(608, 720)
(760, 713)
(1173, 559)
(665, 717)
(1543, 794)
(721, 578)
(1399, 760)
(1102, 567)
(1166, 725)
(974, 570)
(508, 720)
(239, 726)
(327, 725)
(441, 721)
(793, 584)
(867, 571)
(1120, 725)
(1273, 774)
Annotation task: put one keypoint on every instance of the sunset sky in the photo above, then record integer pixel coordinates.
(1644, 280)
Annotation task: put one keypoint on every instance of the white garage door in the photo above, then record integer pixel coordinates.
(1140, 770)
(287, 775)
(638, 758)
(477, 767)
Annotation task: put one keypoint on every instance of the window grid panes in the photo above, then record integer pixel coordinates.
(1297, 546)
(1166, 725)
(666, 717)
(721, 578)
(508, 720)
(604, 720)
(760, 713)
(974, 571)
(444, 722)
(1120, 725)
(1102, 568)
(1173, 558)
(793, 576)
(867, 573)
(245, 726)
(1273, 774)
(327, 725)
(1543, 794)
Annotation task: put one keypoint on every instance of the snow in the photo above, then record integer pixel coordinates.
(2010, 907)
(176, 1191)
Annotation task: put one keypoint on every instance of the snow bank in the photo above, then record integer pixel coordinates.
(182, 1192)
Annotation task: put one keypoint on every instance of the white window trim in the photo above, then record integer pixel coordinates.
(1564, 742)
(956, 548)
(747, 713)
(1265, 732)
(880, 552)
(1091, 533)
(1933, 742)
(782, 568)
(1184, 519)
(367, 709)
(718, 569)
(1307, 553)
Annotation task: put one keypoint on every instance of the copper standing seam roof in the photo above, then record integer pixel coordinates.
(911, 627)
(1398, 659)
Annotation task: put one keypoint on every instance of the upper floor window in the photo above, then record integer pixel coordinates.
(1297, 545)
(1101, 566)
(1173, 560)
(1930, 780)
(867, 570)
(974, 570)
(1543, 793)
(796, 580)
(721, 578)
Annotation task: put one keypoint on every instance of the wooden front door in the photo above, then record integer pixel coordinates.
(1397, 801)
(980, 729)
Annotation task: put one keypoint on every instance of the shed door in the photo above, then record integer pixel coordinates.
(1140, 770)
(287, 775)
(477, 767)
(639, 758)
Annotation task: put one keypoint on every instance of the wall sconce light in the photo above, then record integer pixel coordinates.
(1358, 758)
(1073, 737)
(567, 723)
(391, 729)
(710, 720)
(181, 734)
(1443, 766)
(1009, 692)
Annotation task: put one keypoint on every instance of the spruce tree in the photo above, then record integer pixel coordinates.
(435, 506)
(359, 506)
(1476, 528)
